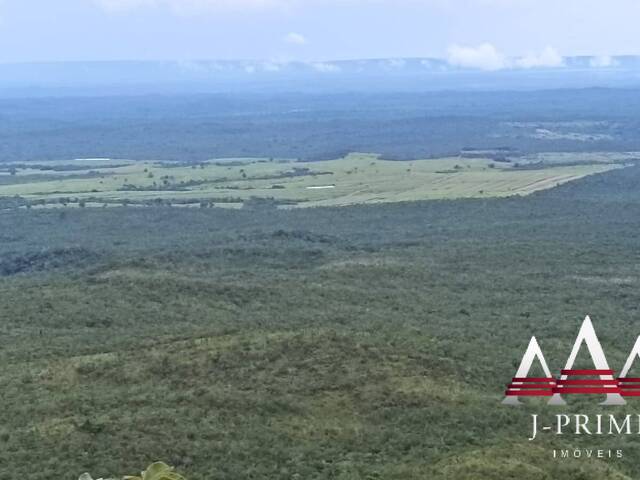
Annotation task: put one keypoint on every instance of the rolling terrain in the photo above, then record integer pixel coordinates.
(251, 337)
(360, 342)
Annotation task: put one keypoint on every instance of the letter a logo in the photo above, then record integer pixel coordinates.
(601, 381)
(606, 383)
(521, 385)
(630, 386)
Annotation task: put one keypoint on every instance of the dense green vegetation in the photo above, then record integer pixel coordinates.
(360, 342)
(323, 126)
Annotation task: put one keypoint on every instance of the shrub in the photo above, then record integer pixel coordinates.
(156, 471)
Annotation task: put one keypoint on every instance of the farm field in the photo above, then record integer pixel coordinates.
(358, 178)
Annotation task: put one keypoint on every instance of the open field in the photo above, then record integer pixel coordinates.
(355, 179)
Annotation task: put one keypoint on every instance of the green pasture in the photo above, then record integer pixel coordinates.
(355, 179)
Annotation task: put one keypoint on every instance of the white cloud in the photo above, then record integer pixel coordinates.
(122, 5)
(603, 61)
(194, 6)
(295, 39)
(396, 63)
(324, 67)
(548, 58)
(200, 67)
(488, 57)
(189, 6)
(271, 66)
(483, 57)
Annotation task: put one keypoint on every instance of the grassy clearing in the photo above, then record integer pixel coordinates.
(355, 179)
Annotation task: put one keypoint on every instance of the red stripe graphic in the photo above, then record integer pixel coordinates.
(528, 387)
(586, 390)
(587, 382)
(547, 386)
(529, 393)
(586, 372)
(533, 379)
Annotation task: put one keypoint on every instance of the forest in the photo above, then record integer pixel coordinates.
(318, 126)
(359, 342)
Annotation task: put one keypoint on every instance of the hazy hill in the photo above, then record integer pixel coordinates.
(415, 74)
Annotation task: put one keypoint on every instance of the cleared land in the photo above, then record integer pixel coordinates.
(358, 178)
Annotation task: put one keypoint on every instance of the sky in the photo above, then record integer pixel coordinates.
(482, 34)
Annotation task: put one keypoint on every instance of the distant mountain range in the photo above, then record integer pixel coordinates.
(395, 74)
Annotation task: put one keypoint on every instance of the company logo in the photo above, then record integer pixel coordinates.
(599, 380)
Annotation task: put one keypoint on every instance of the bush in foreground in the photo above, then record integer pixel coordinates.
(156, 471)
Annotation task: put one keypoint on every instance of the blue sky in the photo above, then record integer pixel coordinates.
(476, 32)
